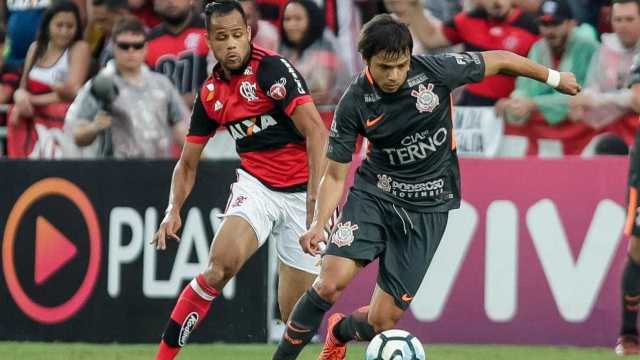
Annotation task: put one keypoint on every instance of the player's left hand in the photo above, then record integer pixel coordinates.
(568, 84)
(311, 240)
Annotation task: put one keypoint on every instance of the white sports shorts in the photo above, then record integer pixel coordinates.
(279, 215)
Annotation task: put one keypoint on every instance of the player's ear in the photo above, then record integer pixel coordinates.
(249, 35)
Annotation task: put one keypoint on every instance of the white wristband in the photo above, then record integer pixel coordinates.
(553, 79)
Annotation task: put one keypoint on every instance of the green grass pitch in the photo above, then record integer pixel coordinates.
(63, 351)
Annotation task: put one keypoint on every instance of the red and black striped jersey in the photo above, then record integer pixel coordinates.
(255, 105)
(181, 57)
(478, 32)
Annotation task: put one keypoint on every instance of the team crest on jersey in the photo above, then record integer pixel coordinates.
(384, 183)
(211, 88)
(217, 106)
(278, 91)
(191, 41)
(343, 236)
(427, 100)
(248, 91)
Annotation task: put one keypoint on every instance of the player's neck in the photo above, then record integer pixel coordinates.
(178, 28)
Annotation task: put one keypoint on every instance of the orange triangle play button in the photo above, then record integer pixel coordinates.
(53, 250)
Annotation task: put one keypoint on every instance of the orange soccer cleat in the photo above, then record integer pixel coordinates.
(333, 348)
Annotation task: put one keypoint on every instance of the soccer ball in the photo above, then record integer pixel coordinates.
(395, 345)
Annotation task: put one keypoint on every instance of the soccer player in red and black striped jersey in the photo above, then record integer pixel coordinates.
(492, 25)
(177, 47)
(265, 105)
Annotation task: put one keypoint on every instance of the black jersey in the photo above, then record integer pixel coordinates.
(412, 159)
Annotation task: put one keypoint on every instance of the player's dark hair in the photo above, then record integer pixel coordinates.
(128, 24)
(111, 5)
(43, 37)
(637, 2)
(222, 7)
(314, 31)
(384, 34)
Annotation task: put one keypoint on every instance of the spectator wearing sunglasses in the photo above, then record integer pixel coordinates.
(146, 116)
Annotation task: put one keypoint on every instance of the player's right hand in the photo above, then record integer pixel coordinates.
(168, 228)
(568, 84)
(311, 239)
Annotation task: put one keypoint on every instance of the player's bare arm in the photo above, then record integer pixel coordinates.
(307, 120)
(184, 176)
(508, 63)
(329, 194)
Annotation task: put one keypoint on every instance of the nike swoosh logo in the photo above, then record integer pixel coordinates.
(632, 298)
(406, 298)
(374, 121)
(290, 340)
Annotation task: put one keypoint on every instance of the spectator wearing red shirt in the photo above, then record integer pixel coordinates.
(493, 25)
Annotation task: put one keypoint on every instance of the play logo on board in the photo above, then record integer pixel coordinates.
(37, 252)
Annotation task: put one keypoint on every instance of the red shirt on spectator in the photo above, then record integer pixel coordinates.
(478, 32)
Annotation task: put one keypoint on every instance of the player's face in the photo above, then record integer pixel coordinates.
(625, 20)
(295, 22)
(129, 50)
(389, 72)
(228, 39)
(173, 11)
(497, 9)
(62, 28)
(556, 34)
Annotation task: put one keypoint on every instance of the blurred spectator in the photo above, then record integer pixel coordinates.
(263, 33)
(311, 48)
(606, 98)
(143, 118)
(401, 9)
(178, 47)
(143, 10)
(493, 25)
(444, 10)
(563, 48)
(22, 16)
(48, 84)
(102, 15)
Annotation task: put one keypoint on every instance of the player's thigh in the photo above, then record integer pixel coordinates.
(291, 224)
(407, 256)
(247, 224)
(291, 285)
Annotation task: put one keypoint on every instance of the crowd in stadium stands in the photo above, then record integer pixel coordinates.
(78, 86)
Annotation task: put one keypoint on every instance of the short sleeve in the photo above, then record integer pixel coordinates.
(635, 72)
(282, 83)
(201, 127)
(84, 106)
(344, 130)
(455, 69)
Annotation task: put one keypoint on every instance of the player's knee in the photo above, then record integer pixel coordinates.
(329, 290)
(218, 273)
(634, 249)
(381, 323)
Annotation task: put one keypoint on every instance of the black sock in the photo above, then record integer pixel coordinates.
(355, 327)
(630, 297)
(303, 324)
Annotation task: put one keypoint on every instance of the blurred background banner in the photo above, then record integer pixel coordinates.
(76, 259)
(533, 257)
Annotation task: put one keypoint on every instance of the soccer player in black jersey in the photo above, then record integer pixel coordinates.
(397, 208)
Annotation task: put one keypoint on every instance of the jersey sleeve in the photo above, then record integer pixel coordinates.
(344, 130)
(635, 72)
(201, 127)
(455, 69)
(282, 83)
